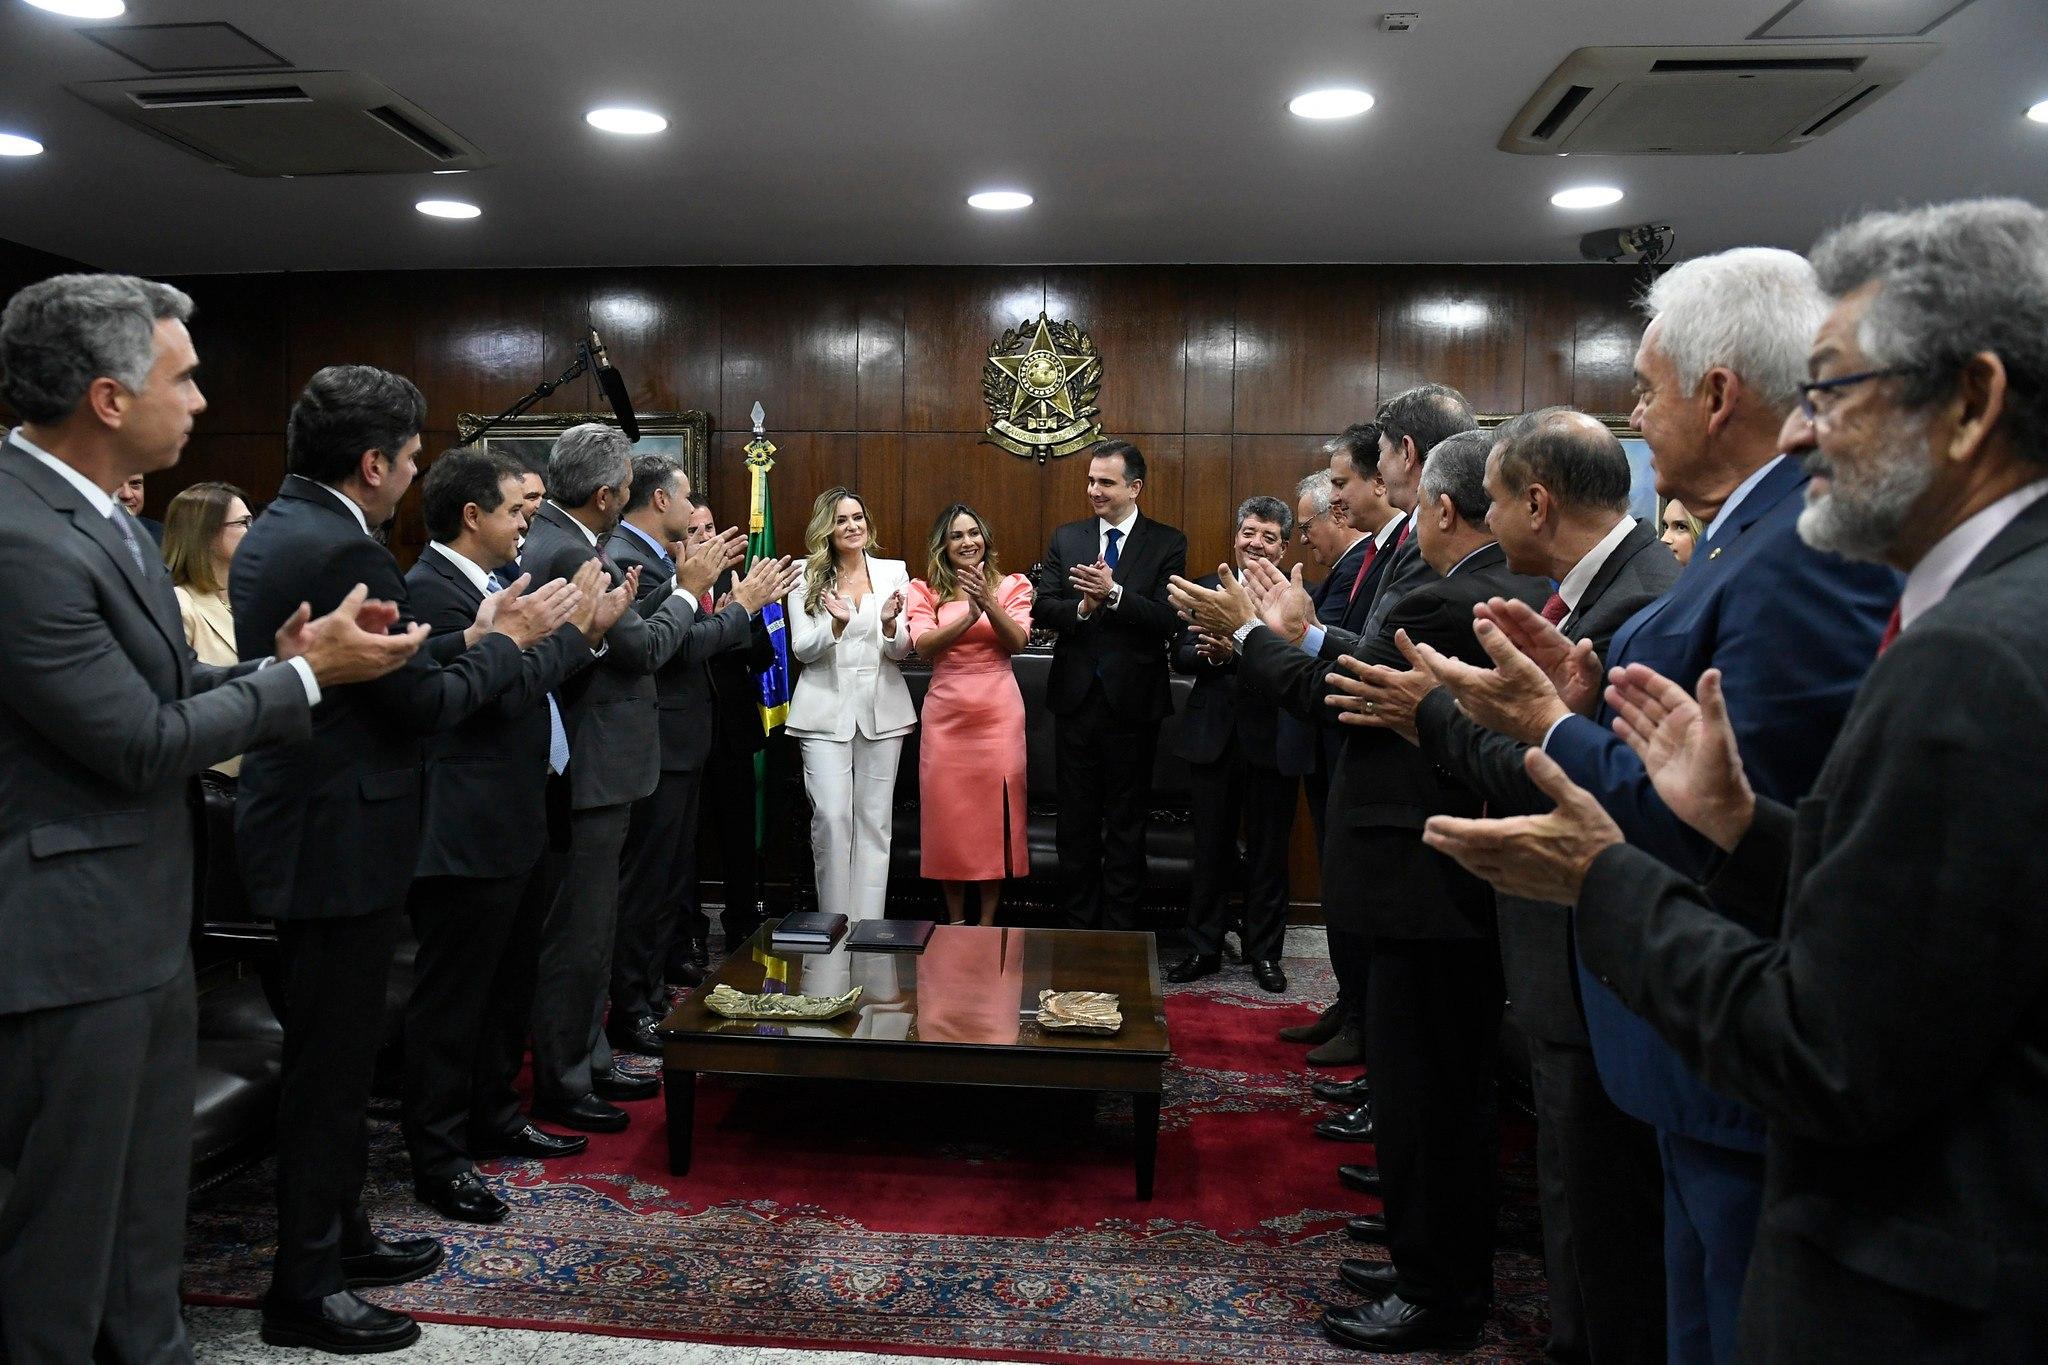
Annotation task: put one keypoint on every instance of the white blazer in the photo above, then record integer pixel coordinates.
(850, 681)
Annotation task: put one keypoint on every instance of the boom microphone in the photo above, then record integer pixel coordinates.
(614, 389)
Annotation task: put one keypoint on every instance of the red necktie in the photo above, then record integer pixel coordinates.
(1555, 608)
(706, 600)
(1372, 549)
(1891, 632)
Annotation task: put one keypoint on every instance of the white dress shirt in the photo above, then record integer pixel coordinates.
(479, 577)
(1574, 584)
(1938, 569)
(103, 502)
(1103, 526)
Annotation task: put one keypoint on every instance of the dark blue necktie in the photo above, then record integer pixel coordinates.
(558, 737)
(1109, 556)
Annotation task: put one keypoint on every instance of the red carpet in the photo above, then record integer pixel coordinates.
(927, 1221)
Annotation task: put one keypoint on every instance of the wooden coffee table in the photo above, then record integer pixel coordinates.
(963, 1012)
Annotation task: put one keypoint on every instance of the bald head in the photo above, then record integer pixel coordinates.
(1557, 482)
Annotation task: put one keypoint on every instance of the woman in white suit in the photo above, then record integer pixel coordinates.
(850, 710)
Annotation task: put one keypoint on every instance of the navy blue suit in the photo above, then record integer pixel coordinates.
(1793, 631)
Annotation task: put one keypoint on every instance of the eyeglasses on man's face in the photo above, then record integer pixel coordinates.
(1811, 395)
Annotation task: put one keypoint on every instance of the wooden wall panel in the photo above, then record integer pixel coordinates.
(662, 330)
(1456, 325)
(1306, 349)
(950, 316)
(1144, 385)
(351, 318)
(239, 329)
(879, 382)
(792, 343)
(1272, 465)
(481, 341)
(1604, 340)
(939, 469)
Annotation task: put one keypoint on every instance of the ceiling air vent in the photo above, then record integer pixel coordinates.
(1706, 101)
(291, 124)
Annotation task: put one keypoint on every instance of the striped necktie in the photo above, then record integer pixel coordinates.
(558, 736)
(119, 517)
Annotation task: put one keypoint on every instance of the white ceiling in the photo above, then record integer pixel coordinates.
(851, 130)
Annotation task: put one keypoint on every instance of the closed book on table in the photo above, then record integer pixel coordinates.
(812, 929)
(890, 936)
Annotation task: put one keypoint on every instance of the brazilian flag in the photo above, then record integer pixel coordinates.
(774, 679)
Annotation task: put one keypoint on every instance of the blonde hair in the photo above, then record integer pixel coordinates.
(939, 567)
(821, 569)
(191, 525)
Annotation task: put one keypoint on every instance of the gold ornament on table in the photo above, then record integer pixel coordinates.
(1040, 384)
(731, 1004)
(1079, 1011)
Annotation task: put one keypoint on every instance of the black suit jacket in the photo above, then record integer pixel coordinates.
(1874, 983)
(1218, 710)
(1125, 647)
(329, 827)
(484, 813)
(682, 686)
(735, 684)
(1378, 876)
(1535, 938)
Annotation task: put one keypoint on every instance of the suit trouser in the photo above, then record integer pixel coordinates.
(1601, 1194)
(95, 1148)
(1431, 1045)
(659, 857)
(1231, 790)
(727, 822)
(474, 969)
(576, 958)
(852, 786)
(1104, 783)
(1713, 1197)
(334, 973)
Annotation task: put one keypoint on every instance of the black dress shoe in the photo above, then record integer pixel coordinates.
(1345, 1048)
(462, 1197)
(1370, 1228)
(1270, 978)
(637, 1036)
(1350, 1094)
(529, 1141)
(1354, 1125)
(340, 1323)
(394, 1262)
(1364, 1179)
(1394, 1324)
(1321, 1031)
(586, 1112)
(1374, 1279)
(1195, 966)
(617, 1085)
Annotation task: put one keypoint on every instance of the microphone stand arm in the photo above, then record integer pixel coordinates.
(540, 391)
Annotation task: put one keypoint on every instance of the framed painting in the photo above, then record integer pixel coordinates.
(683, 436)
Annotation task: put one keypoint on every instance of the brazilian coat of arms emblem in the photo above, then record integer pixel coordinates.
(1040, 384)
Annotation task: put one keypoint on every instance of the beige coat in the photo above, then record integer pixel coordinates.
(210, 630)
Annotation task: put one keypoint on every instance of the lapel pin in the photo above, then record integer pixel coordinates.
(1715, 553)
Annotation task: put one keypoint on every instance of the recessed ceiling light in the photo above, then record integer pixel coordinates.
(447, 208)
(2039, 113)
(14, 144)
(1586, 197)
(82, 9)
(1000, 201)
(637, 122)
(1335, 103)
(460, 170)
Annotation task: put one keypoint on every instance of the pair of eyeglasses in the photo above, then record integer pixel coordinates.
(1808, 393)
(243, 522)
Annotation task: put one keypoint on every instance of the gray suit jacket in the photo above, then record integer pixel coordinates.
(609, 708)
(682, 686)
(105, 718)
(1535, 938)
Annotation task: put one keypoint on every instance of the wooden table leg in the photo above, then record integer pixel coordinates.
(1145, 1111)
(680, 1096)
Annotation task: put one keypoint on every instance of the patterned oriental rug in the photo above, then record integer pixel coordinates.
(929, 1221)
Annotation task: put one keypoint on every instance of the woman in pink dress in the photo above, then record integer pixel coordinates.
(967, 621)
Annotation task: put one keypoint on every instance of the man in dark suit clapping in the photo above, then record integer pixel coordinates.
(1102, 589)
(327, 832)
(1559, 481)
(1229, 738)
(481, 889)
(105, 718)
(661, 845)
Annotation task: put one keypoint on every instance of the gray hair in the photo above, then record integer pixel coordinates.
(1316, 488)
(587, 457)
(1265, 509)
(1569, 453)
(1457, 466)
(1753, 310)
(1953, 280)
(651, 474)
(57, 336)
